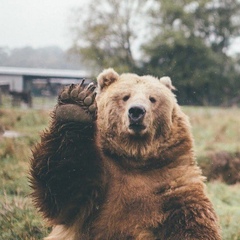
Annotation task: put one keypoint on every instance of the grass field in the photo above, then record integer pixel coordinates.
(214, 130)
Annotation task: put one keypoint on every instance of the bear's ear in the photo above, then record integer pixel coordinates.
(107, 77)
(167, 82)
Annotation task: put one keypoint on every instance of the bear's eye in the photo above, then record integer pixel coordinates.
(152, 99)
(125, 98)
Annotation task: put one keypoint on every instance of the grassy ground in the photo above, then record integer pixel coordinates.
(214, 130)
(18, 218)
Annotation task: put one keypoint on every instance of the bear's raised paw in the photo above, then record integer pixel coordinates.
(77, 103)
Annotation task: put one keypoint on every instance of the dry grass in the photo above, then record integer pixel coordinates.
(215, 129)
(18, 218)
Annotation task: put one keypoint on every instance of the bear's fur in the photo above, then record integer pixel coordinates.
(121, 166)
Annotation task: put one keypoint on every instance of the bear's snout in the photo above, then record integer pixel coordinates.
(136, 115)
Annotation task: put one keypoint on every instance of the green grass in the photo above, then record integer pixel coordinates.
(226, 203)
(19, 220)
(18, 217)
(214, 130)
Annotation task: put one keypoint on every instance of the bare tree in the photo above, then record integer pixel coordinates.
(106, 34)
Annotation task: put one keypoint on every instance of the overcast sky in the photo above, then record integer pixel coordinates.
(36, 23)
(40, 23)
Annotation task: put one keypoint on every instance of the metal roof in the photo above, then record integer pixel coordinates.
(43, 73)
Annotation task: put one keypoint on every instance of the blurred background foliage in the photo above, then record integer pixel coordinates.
(186, 39)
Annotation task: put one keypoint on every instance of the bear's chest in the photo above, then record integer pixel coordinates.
(130, 207)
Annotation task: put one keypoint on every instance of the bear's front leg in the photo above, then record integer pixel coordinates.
(65, 170)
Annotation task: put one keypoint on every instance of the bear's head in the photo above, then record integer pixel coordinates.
(134, 113)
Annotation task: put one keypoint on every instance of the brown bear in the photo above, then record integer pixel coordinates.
(117, 163)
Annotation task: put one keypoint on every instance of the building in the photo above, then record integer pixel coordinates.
(22, 79)
(23, 83)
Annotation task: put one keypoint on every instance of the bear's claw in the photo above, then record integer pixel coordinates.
(77, 103)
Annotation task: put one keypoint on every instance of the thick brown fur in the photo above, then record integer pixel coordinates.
(96, 177)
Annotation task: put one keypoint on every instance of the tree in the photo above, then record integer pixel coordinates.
(214, 21)
(186, 39)
(106, 32)
(190, 44)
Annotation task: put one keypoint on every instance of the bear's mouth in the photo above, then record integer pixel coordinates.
(136, 127)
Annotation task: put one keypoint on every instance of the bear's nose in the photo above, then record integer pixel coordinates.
(136, 114)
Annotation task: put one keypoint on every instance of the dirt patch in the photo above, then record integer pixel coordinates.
(223, 166)
(11, 134)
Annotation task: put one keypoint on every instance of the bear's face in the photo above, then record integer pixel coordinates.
(133, 111)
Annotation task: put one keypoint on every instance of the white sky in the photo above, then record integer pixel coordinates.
(36, 23)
